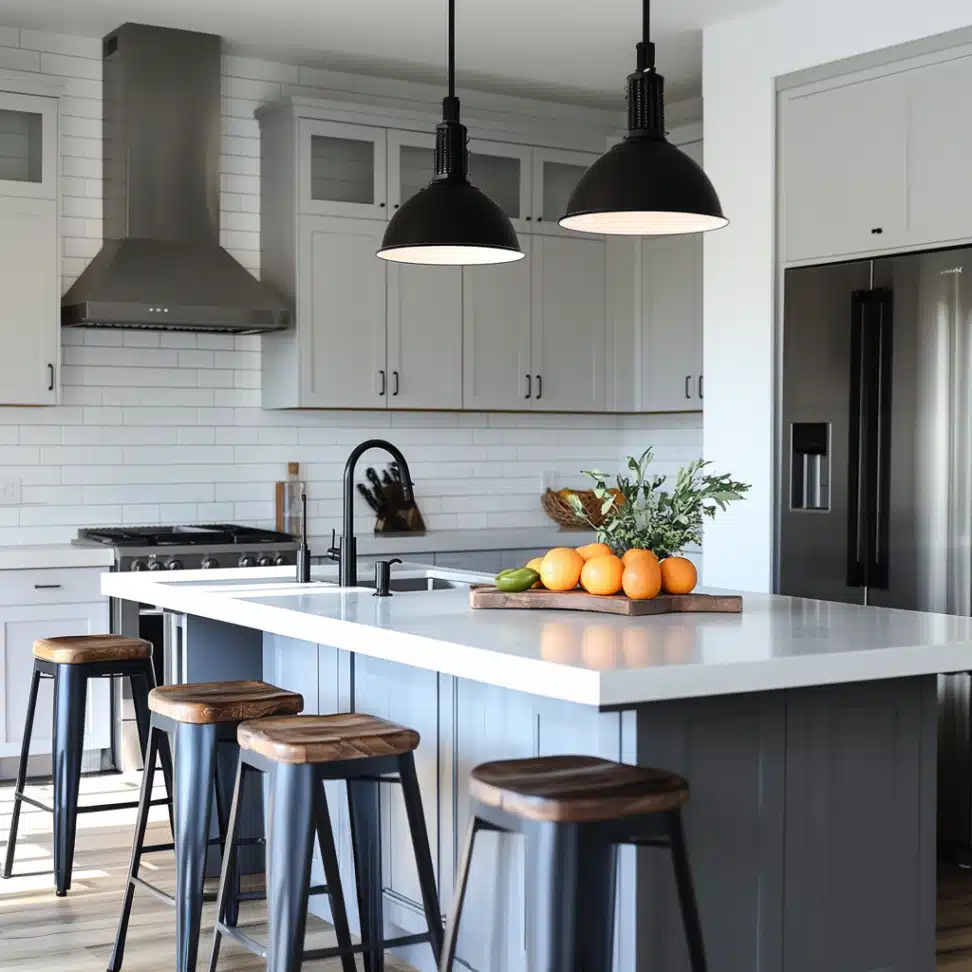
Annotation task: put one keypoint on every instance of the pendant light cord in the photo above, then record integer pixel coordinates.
(646, 49)
(452, 48)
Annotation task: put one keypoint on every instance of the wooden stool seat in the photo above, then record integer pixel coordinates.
(85, 649)
(575, 789)
(209, 703)
(327, 738)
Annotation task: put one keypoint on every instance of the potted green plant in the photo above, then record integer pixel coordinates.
(638, 512)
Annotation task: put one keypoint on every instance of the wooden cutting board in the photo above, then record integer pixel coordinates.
(481, 596)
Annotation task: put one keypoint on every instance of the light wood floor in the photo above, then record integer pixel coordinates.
(39, 932)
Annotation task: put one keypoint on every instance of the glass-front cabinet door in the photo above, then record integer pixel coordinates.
(555, 174)
(411, 165)
(28, 146)
(342, 169)
(502, 171)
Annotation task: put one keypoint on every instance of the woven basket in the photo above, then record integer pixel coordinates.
(560, 511)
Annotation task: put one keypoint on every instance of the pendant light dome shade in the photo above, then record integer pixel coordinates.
(644, 186)
(450, 222)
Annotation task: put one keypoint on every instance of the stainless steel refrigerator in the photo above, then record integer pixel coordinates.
(875, 499)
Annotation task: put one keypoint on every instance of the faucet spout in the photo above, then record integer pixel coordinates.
(348, 565)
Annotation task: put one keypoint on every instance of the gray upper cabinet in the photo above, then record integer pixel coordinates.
(843, 157)
(30, 262)
(872, 163)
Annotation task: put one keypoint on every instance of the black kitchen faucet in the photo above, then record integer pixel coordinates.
(347, 553)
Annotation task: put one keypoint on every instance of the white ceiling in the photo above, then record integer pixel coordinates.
(573, 50)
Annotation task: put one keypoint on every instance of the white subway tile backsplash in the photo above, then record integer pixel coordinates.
(166, 427)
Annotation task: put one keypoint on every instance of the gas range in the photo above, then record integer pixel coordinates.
(192, 547)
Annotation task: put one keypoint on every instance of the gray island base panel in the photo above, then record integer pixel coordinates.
(811, 825)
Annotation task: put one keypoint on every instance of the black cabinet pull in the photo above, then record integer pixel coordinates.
(50, 377)
(700, 386)
(395, 376)
(383, 385)
(529, 379)
(528, 218)
(381, 205)
(688, 378)
(877, 230)
(539, 387)
(47, 587)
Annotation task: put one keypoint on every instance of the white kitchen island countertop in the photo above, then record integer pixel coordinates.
(601, 660)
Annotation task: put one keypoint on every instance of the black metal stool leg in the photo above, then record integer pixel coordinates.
(141, 686)
(420, 847)
(225, 790)
(290, 835)
(575, 898)
(21, 773)
(364, 804)
(686, 894)
(462, 880)
(144, 805)
(332, 876)
(227, 877)
(70, 690)
(195, 761)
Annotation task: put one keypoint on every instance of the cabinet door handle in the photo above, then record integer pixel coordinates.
(529, 379)
(383, 384)
(47, 587)
(688, 378)
(878, 230)
(700, 386)
(395, 376)
(50, 377)
(539, 387)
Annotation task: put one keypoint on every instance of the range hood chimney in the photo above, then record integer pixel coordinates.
(161, 265)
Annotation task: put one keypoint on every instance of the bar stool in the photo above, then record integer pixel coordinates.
(299, 753)
(199, 718)
(70, 660)
(574, 811)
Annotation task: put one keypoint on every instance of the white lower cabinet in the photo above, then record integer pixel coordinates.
(20, 627)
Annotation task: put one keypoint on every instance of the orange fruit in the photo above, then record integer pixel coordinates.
(642, 579)
(679, 575)
(636, 553)
(602, 575)
(591, 550)
(535, 565)
(561, 568)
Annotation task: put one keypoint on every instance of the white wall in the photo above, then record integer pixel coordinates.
(741, 60)
(166, 427)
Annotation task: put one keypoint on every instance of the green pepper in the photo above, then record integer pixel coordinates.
(516, 579)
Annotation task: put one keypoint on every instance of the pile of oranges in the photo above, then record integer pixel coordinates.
(598, 570)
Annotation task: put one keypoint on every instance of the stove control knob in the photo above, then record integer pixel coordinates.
(138, 565)
(155, 565)
(265, 561)
(280, 561)
(210, 563)
(173, 564)
(247, 561)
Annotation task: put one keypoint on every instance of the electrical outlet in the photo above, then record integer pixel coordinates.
(9, 492)
(548, 480)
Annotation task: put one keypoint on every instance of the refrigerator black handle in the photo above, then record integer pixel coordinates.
(869, 457)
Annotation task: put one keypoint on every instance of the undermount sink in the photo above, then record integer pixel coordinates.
(427, 583)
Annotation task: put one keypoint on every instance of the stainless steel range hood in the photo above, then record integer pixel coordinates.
(161, 265)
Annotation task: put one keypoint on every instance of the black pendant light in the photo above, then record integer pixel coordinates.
(450, 221)
(644, 186)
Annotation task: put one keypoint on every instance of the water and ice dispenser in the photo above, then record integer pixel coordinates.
(810, 466)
